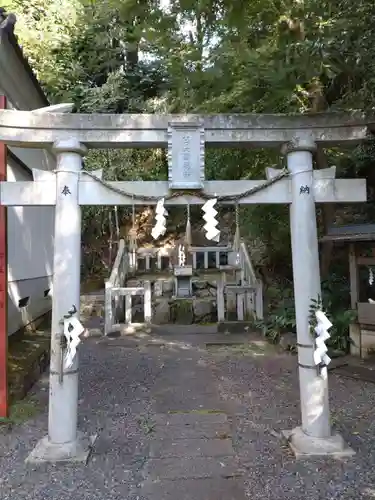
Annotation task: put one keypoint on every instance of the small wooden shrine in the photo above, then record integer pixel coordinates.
(361, 241)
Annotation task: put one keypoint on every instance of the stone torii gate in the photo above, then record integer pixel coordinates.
(69, 188)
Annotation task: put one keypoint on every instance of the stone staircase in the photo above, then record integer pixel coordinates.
(92, 312)
(146, 286)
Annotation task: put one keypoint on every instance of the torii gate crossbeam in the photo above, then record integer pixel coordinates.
(69, 188)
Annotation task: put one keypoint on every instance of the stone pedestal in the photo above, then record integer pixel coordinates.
(183, 285)
(77, 451)
(305, 446)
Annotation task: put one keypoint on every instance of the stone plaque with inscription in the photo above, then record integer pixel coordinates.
(183, 271)
(185, 156)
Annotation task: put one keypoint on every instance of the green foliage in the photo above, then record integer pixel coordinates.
(281, 316)
(278, 322)
(212, 56)
(334, 302)
(315, 306)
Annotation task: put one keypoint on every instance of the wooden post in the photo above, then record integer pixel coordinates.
(220, 301)
(147, 301)
(158, 256)
(217, 259)
(128, 309)
(148, 262)
(205, 260)
(4, 410)
(353, 272)
(158, 288)
(194, 260)
(108, 308)
(259, 300)
(240, 306)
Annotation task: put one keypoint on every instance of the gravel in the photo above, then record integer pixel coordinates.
(114, 398)
(267, 388)
(121, 389)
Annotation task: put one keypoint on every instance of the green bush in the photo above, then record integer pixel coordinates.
(335, 302)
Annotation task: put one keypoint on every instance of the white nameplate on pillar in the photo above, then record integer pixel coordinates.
(185, 155)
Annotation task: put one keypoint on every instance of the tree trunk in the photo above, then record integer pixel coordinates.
(328, 214)
(319, 104)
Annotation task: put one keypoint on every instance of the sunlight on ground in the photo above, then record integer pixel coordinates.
(255, 349)
(142, 335)
(369, 492)
(21, 411)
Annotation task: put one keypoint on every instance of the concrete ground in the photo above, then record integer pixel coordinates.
(180, 419)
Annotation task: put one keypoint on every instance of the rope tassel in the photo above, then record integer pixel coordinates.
(175, 194)
(188, 237)
(133, 232)
(237, 235)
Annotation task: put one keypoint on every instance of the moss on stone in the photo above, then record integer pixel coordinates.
(28, 356)
(182, 311)
(20, 412)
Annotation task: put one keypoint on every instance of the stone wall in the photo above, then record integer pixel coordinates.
(201, 308)
(362, 341)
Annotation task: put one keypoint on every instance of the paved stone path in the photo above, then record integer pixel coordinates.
(182, 419)
(191, 456)
(191, 450)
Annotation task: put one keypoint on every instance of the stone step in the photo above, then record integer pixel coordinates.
(173, 329)
(92, 311)
(235, 327)
(191, 468)
(157, 300)
(194, 489)
(239, 288)
(92, 297)
(190, 418)
(168, 275)
(204, 431)
(190, 448)
(92, 305)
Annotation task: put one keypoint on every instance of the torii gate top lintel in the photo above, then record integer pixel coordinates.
(41, 128)
(186, 142)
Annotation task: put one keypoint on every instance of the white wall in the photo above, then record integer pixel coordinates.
(30, 257)
(37, 306)
(30, 235)
(30, 229)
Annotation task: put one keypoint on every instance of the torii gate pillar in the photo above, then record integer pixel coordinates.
(314, 436)
(64, 442)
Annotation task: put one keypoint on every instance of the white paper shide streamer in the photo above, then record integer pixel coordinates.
(181, 256)
(212, 232)
(72, 331)
(321, 357)
(161, 224)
